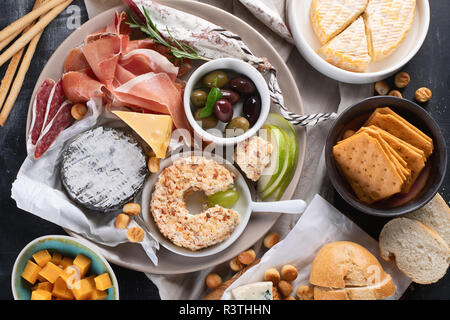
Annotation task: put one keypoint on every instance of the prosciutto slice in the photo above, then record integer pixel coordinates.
(80, 87)
(155, 92)
(102, 56)
(76, 61)
(39, 110)
(61, 121)
(142, 61)
(139, 44)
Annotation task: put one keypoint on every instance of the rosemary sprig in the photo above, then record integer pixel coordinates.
(178, 50)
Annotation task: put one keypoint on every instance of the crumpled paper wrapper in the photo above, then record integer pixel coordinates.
(320, 224)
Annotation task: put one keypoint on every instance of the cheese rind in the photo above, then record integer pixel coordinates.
(349, 50)
(254, 291)
(388, 23)
(331, 17)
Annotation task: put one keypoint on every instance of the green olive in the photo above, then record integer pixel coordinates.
(222, 79)
(198, 98)
(206, 123)
(236, 127)
(226, 199)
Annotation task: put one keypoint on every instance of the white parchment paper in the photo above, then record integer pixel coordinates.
(320, 224)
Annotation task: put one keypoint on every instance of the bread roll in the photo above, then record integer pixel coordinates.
(418, 250)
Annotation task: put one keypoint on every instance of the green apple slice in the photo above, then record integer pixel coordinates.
(277, 191)
(277, 158)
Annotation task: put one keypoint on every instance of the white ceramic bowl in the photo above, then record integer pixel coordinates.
(237, 66)
(307, 43)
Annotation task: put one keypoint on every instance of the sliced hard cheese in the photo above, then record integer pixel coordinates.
(349, 50)
(330, 17)
(254, 291)
(155, 129)
(388, 22)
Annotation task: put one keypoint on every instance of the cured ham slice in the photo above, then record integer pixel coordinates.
(79, 87)
(139, 44)
(55, 101)
(39, 110)
(142, 61)
(155, 92)
(122, 76)
(61, 121)
(119, 26)
(102, 56)
(76, 61)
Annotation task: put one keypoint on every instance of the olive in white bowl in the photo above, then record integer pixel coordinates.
(238, 111)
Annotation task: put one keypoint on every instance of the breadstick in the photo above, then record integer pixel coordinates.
(34, 31)
(7, 41)
(28, 18)
(13, 65)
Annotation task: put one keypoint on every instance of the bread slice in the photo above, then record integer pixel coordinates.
(436, 215)
(418, 250)
(381, 290)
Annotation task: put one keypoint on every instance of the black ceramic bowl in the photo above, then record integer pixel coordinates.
(353, 118)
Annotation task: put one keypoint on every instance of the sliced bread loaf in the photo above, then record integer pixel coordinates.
(418, 250)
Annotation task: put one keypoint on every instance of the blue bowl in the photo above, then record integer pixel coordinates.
(67, 246)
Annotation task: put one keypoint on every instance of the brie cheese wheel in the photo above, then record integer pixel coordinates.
(349, 50)
(388, 22)
(254, 291)
(331, 17)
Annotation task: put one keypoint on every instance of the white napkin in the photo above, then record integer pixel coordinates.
(319, 94)
(320, 224)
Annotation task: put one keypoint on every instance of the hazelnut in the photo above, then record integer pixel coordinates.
(382, 88)
(78, 111)
(135, 234)
(276, 293)
(153, 164)
(396, 93)
(213, 281)
(132, 209)
(273, 275)
(423, 94)
(247, 257)
(348, 134)
(402, 79)
(305, 293)
(122, 221)
(289, 298)
(289, 272)
(235, 265)
(271, 239)
(285, 288)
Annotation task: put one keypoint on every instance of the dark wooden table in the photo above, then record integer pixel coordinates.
(428, 68)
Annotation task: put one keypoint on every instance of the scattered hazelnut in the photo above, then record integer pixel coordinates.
(153, 164)
(135, 234)
(289, 298)
(276, 293)
(78, 111)
(348, 134)
(305, 293)
(213, 280)
(132, 209)
(396, 93)
(285, 288)
(235, 265)
(289, 272)
(271, 239)
(122, 221)
(382, 88)
(402, 79)
(273, 275)
(247, 257)
(423, 94)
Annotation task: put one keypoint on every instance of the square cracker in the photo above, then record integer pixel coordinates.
(397, 128)
(368, 169)
(414, 157)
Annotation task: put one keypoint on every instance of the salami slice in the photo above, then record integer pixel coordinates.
(55, 102)
(39, 110)
(61, 121)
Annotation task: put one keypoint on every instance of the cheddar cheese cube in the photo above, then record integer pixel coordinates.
(99, 295)
(57, 258)
(41, 279)
(31, 272)
(40, 294)
(82, 262)
(71, 275)
(47, 286)
(60, 290)
(42, 258)
(51, 272)
(66, 261)
(103, 282)
(84, 289)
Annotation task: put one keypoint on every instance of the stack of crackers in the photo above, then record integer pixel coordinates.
(384, 157)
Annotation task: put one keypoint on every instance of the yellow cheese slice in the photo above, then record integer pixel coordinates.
(155, 129)
(388, 22)
(331, 17)
(349, 50)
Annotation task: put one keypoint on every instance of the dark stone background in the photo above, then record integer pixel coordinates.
(428, 68)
